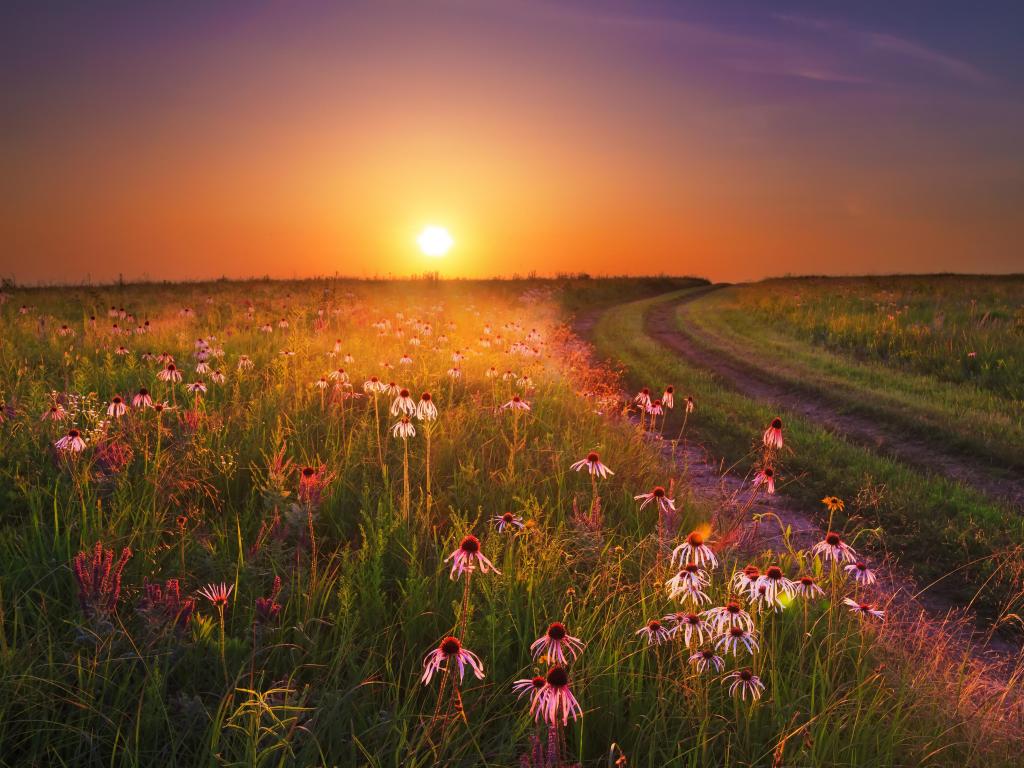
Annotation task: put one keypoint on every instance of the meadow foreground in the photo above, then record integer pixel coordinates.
(409, 524)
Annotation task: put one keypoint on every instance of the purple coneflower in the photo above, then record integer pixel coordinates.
(807, 588)
(860, 573)
(593, 465)
(468, 557)
(733, 638)
(766, 477)
(507, 521)
(451, 648)
(743, 682)
(142, 399)
(773, 435)
(516, 404)
(729, 615)
(655, 632)
(864, 609)
(555, 699)
(695, 550)
(72, 442)
(706, 661)
(555, 642)
(117, 407)
(833, 548)
(658, 496)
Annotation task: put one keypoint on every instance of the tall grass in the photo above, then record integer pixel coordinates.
(334, 679)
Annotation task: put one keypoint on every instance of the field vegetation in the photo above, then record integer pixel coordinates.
(284, 556)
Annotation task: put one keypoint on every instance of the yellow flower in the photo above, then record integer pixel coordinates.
(833, 504)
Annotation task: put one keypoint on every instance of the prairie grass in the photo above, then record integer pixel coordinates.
(939, 530)
(210, 491)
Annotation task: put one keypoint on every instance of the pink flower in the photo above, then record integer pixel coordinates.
(765, 477)
(864, 609)
(593, 465)
(451, 648)
(655, 632)
(468, 557)
(773, 435)
(555, 700)
(657, 495)
(555, 642)
(833, 548)
(72, 442)
(695, 550)
(217, 594)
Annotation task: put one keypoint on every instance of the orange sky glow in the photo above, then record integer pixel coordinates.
(294, 141)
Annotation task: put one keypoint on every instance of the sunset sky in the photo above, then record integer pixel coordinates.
(731, 140)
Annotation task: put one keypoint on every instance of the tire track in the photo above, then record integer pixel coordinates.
(759, 384)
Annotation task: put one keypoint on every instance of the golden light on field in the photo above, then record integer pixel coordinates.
(435, 241)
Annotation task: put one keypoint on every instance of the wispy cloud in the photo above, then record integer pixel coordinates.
(887, 43)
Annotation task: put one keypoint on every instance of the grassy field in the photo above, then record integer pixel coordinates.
(281, 467)
(975, 420)
(956, 328)
(938, 529)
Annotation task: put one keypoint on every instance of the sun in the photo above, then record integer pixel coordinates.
(435, 241)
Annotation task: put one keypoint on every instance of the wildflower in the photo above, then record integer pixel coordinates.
(170, 373)
(765, 477)
(529, 685)
(864, 609)
(99, 579)
(451, 648)
(425, 409)
(655, 409)
(468, 557)
(807, 588)
(267, 608)
(374, 386)
(312, 482)
(403, 404)
(833, 504)
(403, 428)
(689, 404)
(643, 398)
(593, 465)
(668, 397)
(773, 435)
(555, 642)
(706, 660)
(55, 412)
(860, 573)
(775, 583)
(142, 399)
(508, 521)
(217, 594)
(733, 638)
(245, 363)
(117, 408)
(339, 375)
(729, 615)
(72, 442)
(196, 387)
(516, 404)
(657, 495)
(655, 632)
(743, 682)
(745, 581)
(833, 548)
(695, 550)
(555, 699)
(455, 373)
(692, 625)
(688, 583)
(218, 377)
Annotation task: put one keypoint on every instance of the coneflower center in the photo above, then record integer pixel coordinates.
(557, 677)
(833, 539)
(556, 631)
(470, 545)
(773, 572)
(776, 423)
(450, 646)
(695, 539)
(658, 492)
(593, 458)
